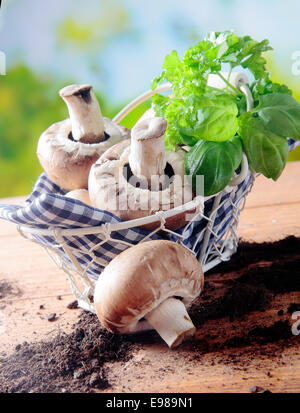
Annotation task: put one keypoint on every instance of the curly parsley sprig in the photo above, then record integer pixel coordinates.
(197, 112)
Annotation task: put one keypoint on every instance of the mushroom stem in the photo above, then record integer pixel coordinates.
(172, 322)
(85, 113)
(147, 152)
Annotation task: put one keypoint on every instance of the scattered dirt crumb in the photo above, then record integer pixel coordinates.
(258, 389)
(73, 305)
(52, 317)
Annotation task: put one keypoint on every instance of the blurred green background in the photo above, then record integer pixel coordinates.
(118, 46)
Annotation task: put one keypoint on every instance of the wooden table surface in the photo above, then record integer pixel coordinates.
(272, 212)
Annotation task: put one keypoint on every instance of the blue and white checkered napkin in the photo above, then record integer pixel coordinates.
(48, 207)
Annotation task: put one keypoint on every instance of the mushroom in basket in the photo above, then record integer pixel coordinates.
(81, 195)
(67, 149)
(150, 286)
(138, 177)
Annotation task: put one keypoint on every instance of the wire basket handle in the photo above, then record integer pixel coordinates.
(140, 99)
(239, 79)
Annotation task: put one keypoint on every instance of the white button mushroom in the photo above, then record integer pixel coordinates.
(147, 153)
(150, 285)
(81, 195)
(67, 149)
(139, 178)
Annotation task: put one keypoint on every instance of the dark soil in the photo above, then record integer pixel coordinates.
(69, 363)
(240, 299)
(256, 278)
(76, 362)
(293, 307)
(250, 253)
(279, 277)
(7, 289)
(280, 330)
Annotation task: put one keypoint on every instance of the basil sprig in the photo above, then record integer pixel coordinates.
(217, 161)
(266, 151)
(211, 120)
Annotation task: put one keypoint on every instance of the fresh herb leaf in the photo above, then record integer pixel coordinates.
(173, 112)
(280, 114)
(209, 118)
(264, 86)
(250, 56)
(189, 78)
(242, 105)
(159, 104)
(266, 152)
(217, 161)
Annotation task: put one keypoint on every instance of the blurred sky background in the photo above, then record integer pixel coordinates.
(118, 46)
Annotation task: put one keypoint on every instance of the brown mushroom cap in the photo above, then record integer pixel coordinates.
(67, 162)
(141, 278)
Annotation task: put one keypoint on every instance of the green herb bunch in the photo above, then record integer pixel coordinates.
(214, 122)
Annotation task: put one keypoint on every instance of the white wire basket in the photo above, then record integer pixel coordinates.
(215, 242)
(82, 249)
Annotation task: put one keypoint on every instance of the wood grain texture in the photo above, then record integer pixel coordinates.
(272, 212)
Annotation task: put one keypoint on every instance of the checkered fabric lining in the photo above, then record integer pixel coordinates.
(47, 207)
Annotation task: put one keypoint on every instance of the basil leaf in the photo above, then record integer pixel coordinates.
(209, 118)
(216, 161)
(189, 76)
(267, 152)
(197, 113)
(280, 114)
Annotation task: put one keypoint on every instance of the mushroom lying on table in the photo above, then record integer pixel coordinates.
(150, 286)
(67, 149)
(138, 178)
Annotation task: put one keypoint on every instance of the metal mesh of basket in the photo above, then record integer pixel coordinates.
(82, 240)
(84, 252)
